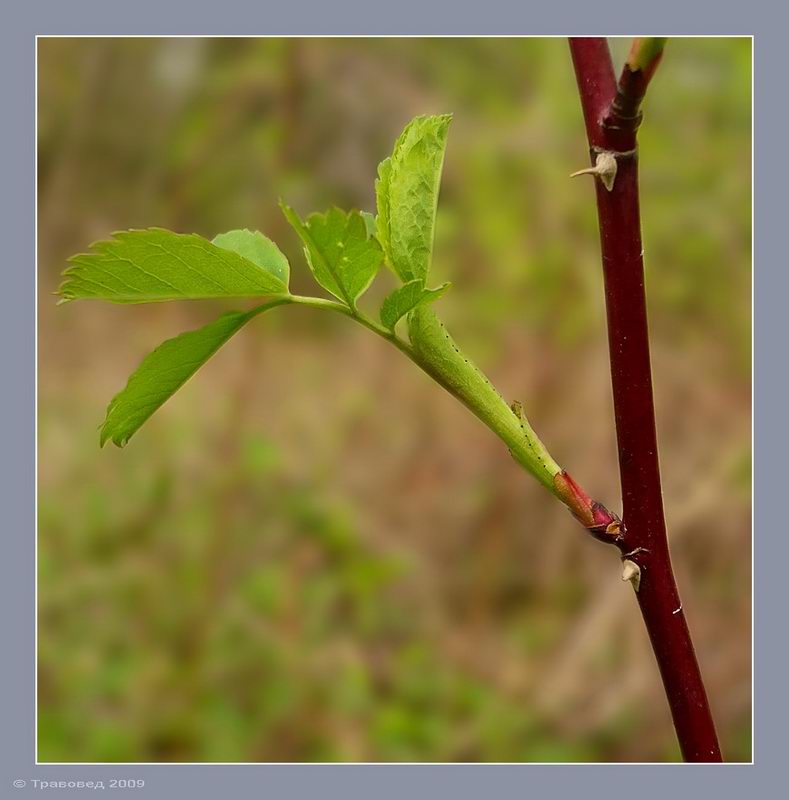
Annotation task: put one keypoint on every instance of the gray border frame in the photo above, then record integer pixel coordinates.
(17, 337)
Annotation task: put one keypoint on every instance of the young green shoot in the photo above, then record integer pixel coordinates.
(344, 250)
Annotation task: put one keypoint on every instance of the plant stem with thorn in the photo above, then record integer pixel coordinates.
(612, 113)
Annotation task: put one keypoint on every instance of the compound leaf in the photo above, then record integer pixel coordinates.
(340, 251)
(146, 266)
(407, 196)
(406, 298)
(165, 370)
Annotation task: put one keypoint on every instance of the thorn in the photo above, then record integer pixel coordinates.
(604, 168)
(631, 572)
(517, 409)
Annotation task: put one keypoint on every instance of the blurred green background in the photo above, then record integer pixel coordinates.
(312, 553)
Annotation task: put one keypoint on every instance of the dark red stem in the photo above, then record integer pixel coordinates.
(612, 114)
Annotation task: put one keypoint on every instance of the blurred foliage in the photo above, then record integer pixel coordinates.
(310, 553)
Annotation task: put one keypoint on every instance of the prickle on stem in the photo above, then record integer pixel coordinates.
(604, 168)
(631, 572)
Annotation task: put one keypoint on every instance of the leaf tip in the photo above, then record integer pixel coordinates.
(107, 435)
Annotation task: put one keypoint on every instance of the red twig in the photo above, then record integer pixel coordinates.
(612, 115)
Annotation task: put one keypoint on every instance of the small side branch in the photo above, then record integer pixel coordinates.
(623, 116)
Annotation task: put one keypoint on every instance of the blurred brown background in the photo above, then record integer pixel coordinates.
(312, 553)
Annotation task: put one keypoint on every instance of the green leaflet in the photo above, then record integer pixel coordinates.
(258, 249)
(406, 298)
(342, 255)
(407, 196)
(369, 223)
(166, 369)
(438, 355)
(153, 265)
